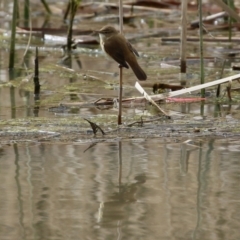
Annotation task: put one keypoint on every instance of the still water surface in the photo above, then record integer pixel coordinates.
(121, 190)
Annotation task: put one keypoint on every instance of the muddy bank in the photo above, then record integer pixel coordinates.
(75, 130)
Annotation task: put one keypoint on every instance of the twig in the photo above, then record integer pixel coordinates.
(209, 18)
(195, 88)
(141, 90)
(143, 121)
(230, 11)
(196, 39)
(95, 127)
(219, 86)
(229, 92)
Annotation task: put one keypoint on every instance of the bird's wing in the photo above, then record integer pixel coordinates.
(132, 49)
(117, 55)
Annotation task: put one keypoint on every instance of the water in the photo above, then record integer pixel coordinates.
(121, 190)
(162, 188)
(90, 75)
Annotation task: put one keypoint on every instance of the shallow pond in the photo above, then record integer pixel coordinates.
(161, 178)
(121, 190)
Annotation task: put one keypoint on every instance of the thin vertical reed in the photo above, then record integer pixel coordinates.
(26, 13)
(120, 68)
(13, 36)
(73, 9)
(183, 65)
(36, 75)
(201, 46)
(46, 7)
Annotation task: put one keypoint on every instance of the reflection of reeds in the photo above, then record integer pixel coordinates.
(13, 34)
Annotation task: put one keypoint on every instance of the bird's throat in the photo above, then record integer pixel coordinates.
(102, 40)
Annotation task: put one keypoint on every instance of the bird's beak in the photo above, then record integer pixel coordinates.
(95, 32)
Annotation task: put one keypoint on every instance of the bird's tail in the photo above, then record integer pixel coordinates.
(140, 74)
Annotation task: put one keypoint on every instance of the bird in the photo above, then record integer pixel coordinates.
(114, 44)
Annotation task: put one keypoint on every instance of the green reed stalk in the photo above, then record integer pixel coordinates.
(201, 46)
(46, 7)
(230, 19)
(26, 13)
(73, 9)
(13, 36)
(183, 65)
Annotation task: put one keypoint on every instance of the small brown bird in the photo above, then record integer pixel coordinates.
(118, 48)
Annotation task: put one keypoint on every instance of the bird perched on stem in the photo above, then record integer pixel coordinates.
(117, 47)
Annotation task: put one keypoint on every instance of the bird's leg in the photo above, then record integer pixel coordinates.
(120, 94)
